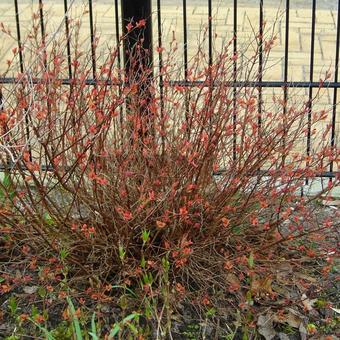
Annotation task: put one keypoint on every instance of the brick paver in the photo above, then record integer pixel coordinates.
(197, 12)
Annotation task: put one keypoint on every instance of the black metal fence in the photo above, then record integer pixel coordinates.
(138, 9)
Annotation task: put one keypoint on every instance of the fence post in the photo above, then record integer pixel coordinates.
(138, 14)
(137, 52)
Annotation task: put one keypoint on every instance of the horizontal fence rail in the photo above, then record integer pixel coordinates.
(125, 10)
(270, 84)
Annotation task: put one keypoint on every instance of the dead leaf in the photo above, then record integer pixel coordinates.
(307, 303)
(306, 277)
(303, 332)
(234, 282)
(265, 326)
(291, 317)
(284, 267)
(30, 289)
(336, 310)
(160, 224)
(261, 286)
(283, 272)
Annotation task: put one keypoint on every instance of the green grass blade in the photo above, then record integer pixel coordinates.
(131, 317)
(48, 335)
(115, 330)
(93, 332)
(75, 319)
(125, 288)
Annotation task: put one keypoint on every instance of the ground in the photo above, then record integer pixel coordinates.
(299, 300)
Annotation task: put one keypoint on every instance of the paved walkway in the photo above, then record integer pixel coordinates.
(197, 13)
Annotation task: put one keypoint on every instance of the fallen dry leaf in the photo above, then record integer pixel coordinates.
(234, 282)
(291, 317)
(307, 303)
(305, 277)
(336, 310)
(303, 331)
(265, 326)
(261, 286)
(30, 289)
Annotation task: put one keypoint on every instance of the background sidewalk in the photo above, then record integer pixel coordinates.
(197, 12)
(197, 15)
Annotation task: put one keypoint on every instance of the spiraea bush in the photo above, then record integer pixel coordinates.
(178, 192)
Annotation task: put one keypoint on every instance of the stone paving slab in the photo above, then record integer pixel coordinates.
(197, 14)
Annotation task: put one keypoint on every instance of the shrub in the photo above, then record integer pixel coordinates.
(152, 182)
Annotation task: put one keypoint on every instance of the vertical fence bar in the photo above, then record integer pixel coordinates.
(185, 52)
(137, 31)
(43, 39)
(285, 75)
(160, 65)
(68, 47)
(41, 20)
(21, 65)
(132, 12)
(210, 61)
(185, 38)
(118, 42)
(160, 44)
(117, 33)
(234, 77)
(260, 65)
(311, 76)
(93, 47)
(17, 21)
(42, 31)
(336, 77)
(210, 32)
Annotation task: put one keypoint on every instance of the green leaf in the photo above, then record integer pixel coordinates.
(131, 317)
(145, 236)
(165, 264)
(74, 319)
(6, 189)
(42, 292)
(150, 278)
(143, 262)
(237, 230)
(249, 297)
(12, 305)
(48, 219)
(63, 254)
(251, 260)
(118, 326)
(7, 182)
(93, 327)
(48, 335)
(121, 252)
(35, 311)
(133, 328)
(211, 312)
(115, 330)
(125, 288)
